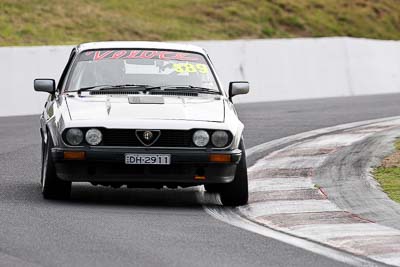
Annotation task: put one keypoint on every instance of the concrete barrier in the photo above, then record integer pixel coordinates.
(280, 69)
(19, 66)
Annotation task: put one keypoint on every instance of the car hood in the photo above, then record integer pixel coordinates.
(207, 108)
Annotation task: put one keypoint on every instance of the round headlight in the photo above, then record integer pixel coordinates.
(74, 136)
(219, 138)
(201, 138)
(93, 137)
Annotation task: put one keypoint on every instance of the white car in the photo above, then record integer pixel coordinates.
(142, 114)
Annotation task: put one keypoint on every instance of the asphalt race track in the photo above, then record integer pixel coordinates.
(108, 227)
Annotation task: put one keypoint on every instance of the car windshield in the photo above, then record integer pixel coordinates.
(141, 67)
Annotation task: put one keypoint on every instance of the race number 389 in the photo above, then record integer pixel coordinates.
(188, 67)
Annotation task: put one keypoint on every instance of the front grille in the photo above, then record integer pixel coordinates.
(127, 137)
(175, 169)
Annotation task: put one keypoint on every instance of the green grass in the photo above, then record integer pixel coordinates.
(389, 176)
(38, 22)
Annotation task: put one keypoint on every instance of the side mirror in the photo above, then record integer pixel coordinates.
(238, 88)
(45, 85)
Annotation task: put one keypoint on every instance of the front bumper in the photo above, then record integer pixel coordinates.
(107, 165)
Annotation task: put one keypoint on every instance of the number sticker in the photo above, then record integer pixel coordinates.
(178, 68)
(202, 68)
(190, 68)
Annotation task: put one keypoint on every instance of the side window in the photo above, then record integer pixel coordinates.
(61, 82)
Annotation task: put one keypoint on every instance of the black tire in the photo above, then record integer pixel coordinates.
(236, 193)
(52, 186)
(42, 149)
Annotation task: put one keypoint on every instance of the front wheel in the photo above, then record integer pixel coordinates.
(52, 186)
(236, 193)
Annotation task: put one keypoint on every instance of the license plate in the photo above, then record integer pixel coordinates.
(151, 159)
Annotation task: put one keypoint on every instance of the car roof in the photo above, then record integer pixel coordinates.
(140, 45)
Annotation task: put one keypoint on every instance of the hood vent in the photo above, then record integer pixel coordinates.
(114, 92)
(127, 92)
(174, 93)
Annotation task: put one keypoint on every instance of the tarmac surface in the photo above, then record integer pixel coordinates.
(103, 226)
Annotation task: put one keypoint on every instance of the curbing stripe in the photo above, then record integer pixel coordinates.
(279, 173)
(389, 258)
(333, 140)
(372, 245)
(327, 223)
(278, 184)
(230, 216)
(255, 210)
(292, 162)
(299, 194)
(326, 232)
(306, 218)
(256, 152)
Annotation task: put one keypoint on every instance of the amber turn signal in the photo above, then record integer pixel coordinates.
(75, 155)
(219, 158)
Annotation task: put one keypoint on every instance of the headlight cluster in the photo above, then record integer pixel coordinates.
(219, 139)
(201, 138)
(74, 136)
(93, 137)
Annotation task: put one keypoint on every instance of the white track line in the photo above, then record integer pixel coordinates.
(326, 232)
(334, 140)
(392, 259)
(276, 184)
(258, 209)
(292, 162)
(228, 216)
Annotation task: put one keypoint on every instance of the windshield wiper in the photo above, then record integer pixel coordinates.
(146, 88)
(190, 88)
(89, 88)
(107, 87)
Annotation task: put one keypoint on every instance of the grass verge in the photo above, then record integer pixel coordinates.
(388, 174)
(43, 22)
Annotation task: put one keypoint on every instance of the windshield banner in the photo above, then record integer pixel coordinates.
(139, 54)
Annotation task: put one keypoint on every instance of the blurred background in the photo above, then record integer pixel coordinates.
(38, 22)
(287, 49)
